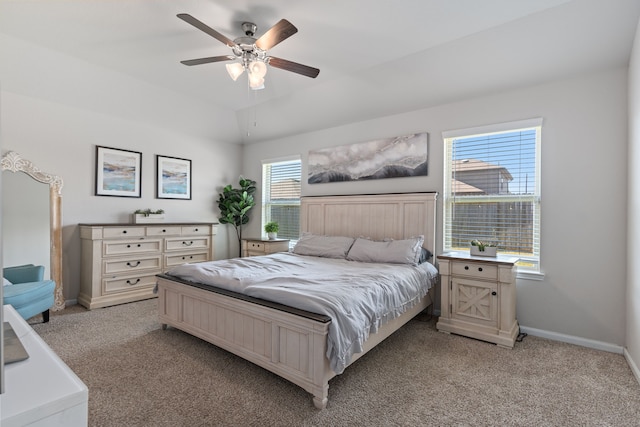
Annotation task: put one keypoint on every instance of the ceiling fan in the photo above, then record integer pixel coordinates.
(251, 53)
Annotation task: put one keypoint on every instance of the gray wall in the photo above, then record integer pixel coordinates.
(61, 140)
(584, 148)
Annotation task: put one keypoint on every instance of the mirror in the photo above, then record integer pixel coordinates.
(37, 209)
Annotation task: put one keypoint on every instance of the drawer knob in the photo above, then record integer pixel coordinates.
(134, 283)
(187, 243)
(466, 267)
(124, 231)
(195, 229)
(479, 268)
(137, 264)
(494, 293)
(164, 231)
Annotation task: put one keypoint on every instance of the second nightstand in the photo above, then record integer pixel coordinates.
(259, 246)
(478, 297)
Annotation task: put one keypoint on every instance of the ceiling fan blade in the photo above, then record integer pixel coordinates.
(208, 60)
(204, 27)
(279, 32)
(294, 67)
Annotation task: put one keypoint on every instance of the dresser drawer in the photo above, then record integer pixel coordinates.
(181, 244)
(131, 265)
(129, 247)
(112, 232)
(196, 229)
(125, 284)
(173, 260)
(477, 270)
(164, 231)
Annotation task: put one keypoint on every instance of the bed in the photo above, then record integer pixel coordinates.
(289, 341)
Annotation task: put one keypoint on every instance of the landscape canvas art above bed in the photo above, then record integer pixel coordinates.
(396, 157)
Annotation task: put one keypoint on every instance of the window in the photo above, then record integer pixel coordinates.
(281, 196)
(492, 189)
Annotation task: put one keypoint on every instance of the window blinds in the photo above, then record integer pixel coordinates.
(492, 192)
(281, 197)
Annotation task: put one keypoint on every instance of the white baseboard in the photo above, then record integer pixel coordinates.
(571, 339)
(632, 365)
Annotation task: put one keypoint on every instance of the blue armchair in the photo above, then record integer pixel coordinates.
(28, 293)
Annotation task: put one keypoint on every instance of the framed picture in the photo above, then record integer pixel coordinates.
(118, 172)
(173, 178)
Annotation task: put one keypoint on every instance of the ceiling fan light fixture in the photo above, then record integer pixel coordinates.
(235, 70)
(258, 68)
(256, 82)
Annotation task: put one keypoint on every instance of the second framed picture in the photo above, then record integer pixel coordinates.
(173, 178)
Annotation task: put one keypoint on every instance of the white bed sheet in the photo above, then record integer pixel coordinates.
(359, 297)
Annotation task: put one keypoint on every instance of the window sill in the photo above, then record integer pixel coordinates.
(530, 275)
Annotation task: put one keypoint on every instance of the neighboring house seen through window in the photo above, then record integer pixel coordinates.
(492, 189)
(281, 197)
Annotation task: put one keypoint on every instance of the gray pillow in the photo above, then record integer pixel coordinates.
(406, 251)
(323, 246)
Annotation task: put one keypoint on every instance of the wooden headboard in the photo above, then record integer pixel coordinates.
(396, 216)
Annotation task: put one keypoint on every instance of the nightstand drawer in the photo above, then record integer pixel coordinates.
(477, 270)
(255, 246)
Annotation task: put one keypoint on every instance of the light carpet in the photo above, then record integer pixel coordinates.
(141, 375)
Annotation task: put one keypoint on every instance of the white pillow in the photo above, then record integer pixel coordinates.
(5, 282)
(323, 246)
(407, 251)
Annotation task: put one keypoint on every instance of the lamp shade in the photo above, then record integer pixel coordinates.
(256, 82)
(258, 68)
(235, 70)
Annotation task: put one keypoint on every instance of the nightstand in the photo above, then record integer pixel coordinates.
(259, 246)
(478, 297)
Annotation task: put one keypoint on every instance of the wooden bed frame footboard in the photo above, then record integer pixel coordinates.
(290, 343)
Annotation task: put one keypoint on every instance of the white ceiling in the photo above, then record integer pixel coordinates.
(376, 58)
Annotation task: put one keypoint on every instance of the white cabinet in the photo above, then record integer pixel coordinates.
(478, 297)
(257, 247)
(120, 261)
(40, 391)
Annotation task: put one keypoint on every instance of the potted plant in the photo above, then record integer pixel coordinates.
(481, 248)
(143, 216)
(235, 205)
(271, 228)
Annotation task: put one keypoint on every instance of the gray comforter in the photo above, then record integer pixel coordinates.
(359, 297)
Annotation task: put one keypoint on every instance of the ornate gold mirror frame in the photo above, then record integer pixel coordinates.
(13, 162)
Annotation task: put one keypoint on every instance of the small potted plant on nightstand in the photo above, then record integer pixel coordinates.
(480, 248)
(271, 228)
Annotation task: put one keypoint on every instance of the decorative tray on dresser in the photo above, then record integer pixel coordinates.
(478, 297)
(120, 261)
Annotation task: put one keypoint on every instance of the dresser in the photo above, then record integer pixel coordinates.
(120, 261)
(478, 297)
(259, 246)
